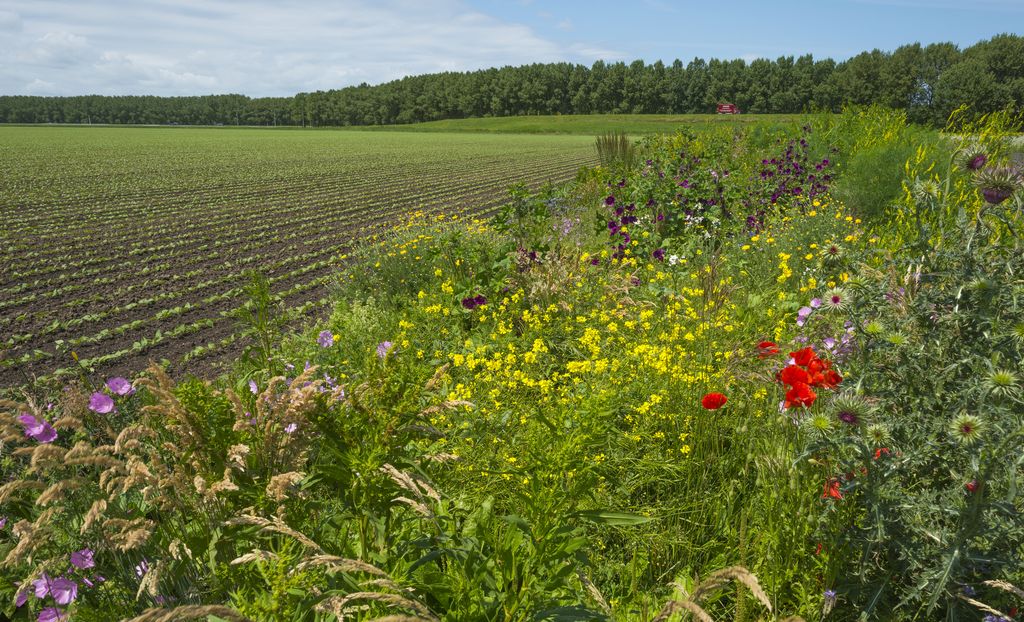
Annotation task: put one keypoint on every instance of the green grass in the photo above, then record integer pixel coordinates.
(588, 124)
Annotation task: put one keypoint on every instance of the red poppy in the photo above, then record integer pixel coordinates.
(713, 401)
(793, 375)
(804, 357)
(831, 379)
(882, 451)
(971, 486)
(766, 349)
(800, 395)
(832, 489)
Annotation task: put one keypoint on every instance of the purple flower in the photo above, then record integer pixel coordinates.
(609, 200)
(469, 303)
(829, 343)
(480, 300)
(101, 403)
(802, 314)
(141, 568)
(41, 586)
(383, 348)
(254, 387)
(21, 598)
(120, 386)
(849, 417)
(977, 162)
(290, 428)
(82, 559)
(63, 590)
(326, 339)
(38, 429)
(815, 302)
(3, 522)
(659, 254)
(51, 614)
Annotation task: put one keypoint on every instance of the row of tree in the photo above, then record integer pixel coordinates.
(926, 81)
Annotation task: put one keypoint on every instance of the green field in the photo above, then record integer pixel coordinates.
(126, 244)
(592, 124)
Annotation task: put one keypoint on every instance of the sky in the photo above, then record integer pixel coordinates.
(282, 47)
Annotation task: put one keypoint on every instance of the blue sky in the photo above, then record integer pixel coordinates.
(280, 47)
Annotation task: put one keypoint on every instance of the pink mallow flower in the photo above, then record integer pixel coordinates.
(120, 386)
(101, 403)
(64, 591)
(38, 429)
(82, 559)
(51, 614)
(41, 586)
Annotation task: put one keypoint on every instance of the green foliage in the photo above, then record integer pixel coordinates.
(505, 420)
(260, 317)
(927, 443)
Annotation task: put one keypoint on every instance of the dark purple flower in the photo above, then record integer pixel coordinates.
(609, 200)
(849, 417)
(469, 303)
(995, 196)
(596, 261)
(659, 254)
(480, 300)
(101, 403)
(120, 386)
(977, 162)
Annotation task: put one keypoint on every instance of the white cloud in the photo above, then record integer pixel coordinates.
(262, 47)
(40, 87)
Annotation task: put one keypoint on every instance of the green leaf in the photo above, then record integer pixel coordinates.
(609, 517)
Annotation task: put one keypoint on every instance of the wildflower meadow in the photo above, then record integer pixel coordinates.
(715, 377)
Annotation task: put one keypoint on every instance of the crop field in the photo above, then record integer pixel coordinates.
(128, 244)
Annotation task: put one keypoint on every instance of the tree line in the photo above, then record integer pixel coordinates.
(928, 81)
